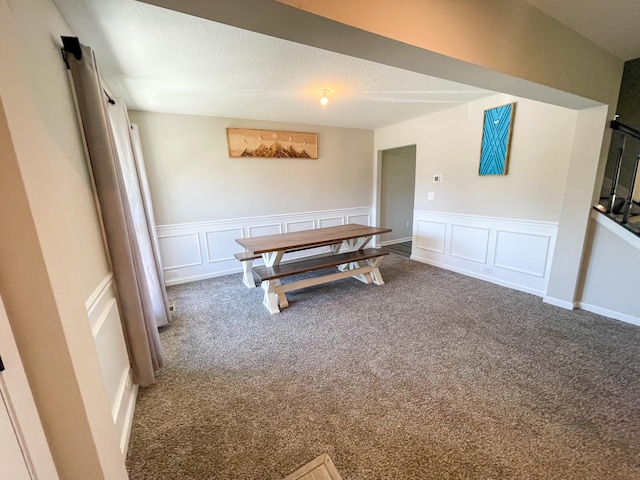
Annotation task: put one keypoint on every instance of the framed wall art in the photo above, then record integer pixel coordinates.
(244, 142)
(496, 140)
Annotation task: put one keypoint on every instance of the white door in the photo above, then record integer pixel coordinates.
(24, 452)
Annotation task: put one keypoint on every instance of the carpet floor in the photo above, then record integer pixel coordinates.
(433, 375)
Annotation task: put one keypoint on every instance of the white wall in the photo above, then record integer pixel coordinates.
(52, 256)
(193, 179)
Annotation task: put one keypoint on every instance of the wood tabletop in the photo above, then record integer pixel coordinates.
(308, 238)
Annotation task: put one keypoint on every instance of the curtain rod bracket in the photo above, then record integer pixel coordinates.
(71, 45)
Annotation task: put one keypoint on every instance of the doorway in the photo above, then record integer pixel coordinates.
(396, 187)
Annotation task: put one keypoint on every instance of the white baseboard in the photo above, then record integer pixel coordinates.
(623, 317)
(393, 242)
(202, 276)
(130, 407)
(469, 273)
(559, 303)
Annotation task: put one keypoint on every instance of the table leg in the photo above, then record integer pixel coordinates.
(273, 300)
(351, 246)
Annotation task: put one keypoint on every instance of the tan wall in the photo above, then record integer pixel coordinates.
(448, 144)
(193, 179)
(605, 287)
(51, 251)
(508, 36)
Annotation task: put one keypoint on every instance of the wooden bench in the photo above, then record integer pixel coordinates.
(360, 264)
(247, 258)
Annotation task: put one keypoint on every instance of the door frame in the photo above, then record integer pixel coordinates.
(378, 184)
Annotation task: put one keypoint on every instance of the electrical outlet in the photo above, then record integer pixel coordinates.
(431, 196)
(487, 269)
(173, 274)
(407, 225)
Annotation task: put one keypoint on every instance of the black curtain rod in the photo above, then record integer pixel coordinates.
(616, 125)
(72, 45)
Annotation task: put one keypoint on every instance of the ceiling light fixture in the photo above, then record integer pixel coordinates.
(323, 99)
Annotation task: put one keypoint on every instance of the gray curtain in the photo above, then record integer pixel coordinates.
(139, 283)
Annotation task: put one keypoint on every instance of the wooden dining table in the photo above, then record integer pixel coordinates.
(347, 252)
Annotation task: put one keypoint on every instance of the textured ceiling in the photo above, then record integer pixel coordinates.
(164, 61)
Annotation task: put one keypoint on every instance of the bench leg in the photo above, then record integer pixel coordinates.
(270, 299)
(247, 274)
(282, 300)
(375, 272)
(363, 277)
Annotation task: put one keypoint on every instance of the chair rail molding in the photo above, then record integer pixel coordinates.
(195, 251)
(510, 252)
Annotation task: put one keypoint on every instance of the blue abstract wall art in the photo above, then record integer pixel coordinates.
(496, 139)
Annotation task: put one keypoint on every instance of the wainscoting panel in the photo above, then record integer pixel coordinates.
(513, 253)
(180, 250)
(220, 244)
(359, 219)
(260, 230)
(299, 225)
(184, 246)
(104, 318)
(331, 222)
(522, 252)
(429, 235)
(469, 243)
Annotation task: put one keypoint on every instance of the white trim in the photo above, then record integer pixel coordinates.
(206, 233)
(393, 242)
(459, 250)
(250, 220)
(470, 273)
(203, 276)
(250, 228)
(328, 219)
(95, 329)
(416, 228)
(520, 270)
(93, 299)
(616, 228)
(122, 387)
(174, 267)
(559, 303)
(226, 245)
(623, 317)
(294, 222)
(486, 246)
(483, 218)
(127, 407)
